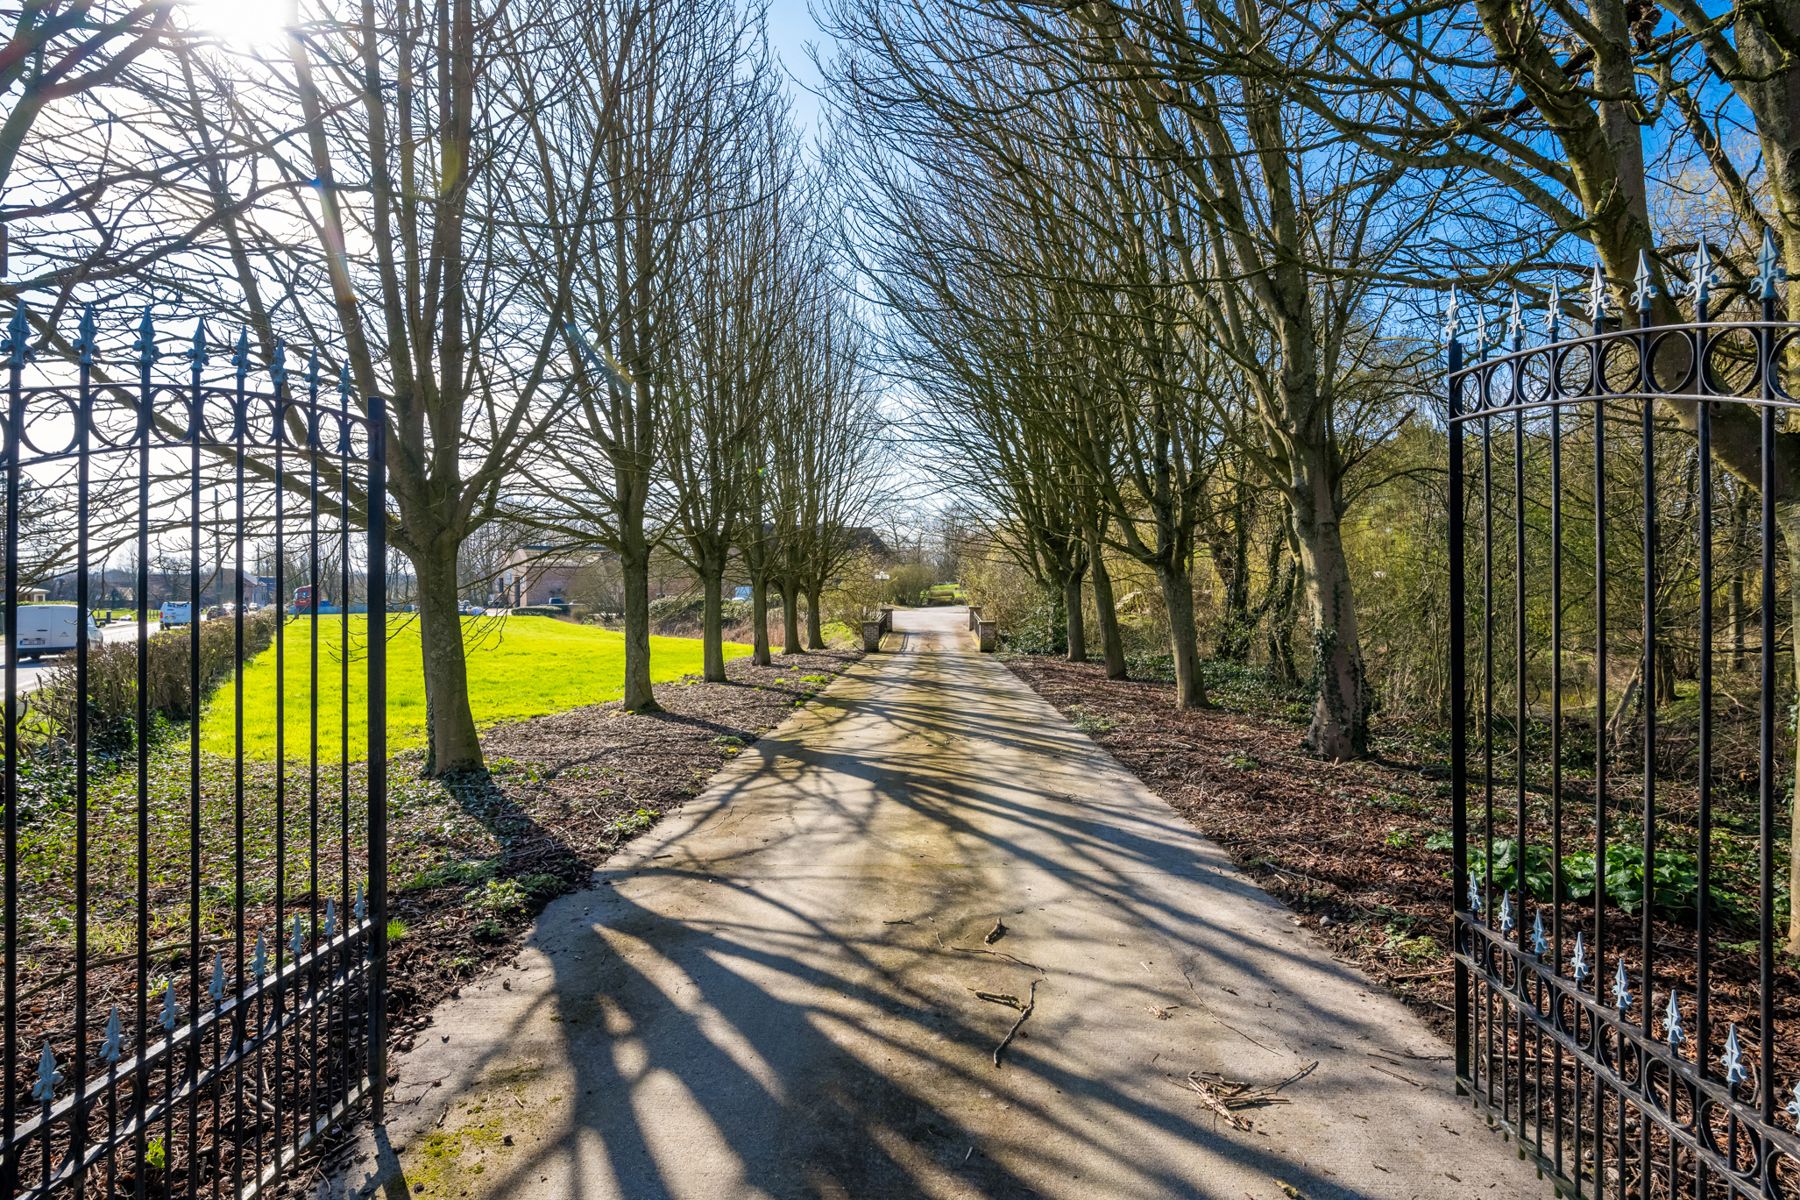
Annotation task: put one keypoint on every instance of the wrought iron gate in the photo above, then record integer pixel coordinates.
(194, 904)
(1621, 682)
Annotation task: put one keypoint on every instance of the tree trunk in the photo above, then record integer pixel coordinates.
(1184, 640)
(1105, 610)
(1279, 632)
(1340, 712)
(634, 570)
(815, 625)
(1075, 619)
(712, 622)
(759, 621)
(1056, 618)
(1237, 626)
(790, 617)
(451, 742)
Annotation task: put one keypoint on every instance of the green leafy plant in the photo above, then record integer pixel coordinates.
(499, 898)
(462, 874)
(1090, 722)
(635, 821)
(1675, 883)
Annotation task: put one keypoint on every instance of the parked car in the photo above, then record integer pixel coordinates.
(53, 629)
(175, 613)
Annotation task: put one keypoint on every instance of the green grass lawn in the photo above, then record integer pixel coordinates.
(525, 667)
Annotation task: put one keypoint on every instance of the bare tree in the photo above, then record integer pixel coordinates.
(652, 121)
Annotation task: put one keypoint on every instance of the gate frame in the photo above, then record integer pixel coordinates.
(1495, 966)
(356, 952)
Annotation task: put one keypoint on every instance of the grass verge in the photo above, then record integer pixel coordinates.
(520, 668)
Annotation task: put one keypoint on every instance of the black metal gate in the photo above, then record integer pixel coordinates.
(1622, 690)
(194, 908)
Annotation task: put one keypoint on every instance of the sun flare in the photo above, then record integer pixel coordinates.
(240, 22)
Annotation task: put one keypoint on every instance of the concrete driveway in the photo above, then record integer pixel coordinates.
(779, 993)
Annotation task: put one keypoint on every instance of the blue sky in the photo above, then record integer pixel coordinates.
(791, 29)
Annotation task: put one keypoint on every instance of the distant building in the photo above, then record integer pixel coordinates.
(537, 575)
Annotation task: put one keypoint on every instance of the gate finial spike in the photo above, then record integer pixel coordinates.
(1702, 285)
(312, 372)
(1769, 271)
(113, 1049)
(259, 961)
(1451, 305)
(1733, 1059)
(1621, 988)
(240, 357)
(145, 345)
(44, 1090)
(1474, 892)
(344, 386)
(216, 989)
(278, 368)
(297, 943)
(1506, 913)
(196, 351)
(87, 337)
(361, 911)
(1481, 331)
(330, 918)
(1539, 944)
(1673, 1033)
(1596, 301)
(1578, 964)
(18, 337)
(1644, 285)
(1552, 310)
(1515, 320)
(171, 1009)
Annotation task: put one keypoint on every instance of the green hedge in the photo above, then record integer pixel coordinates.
(112, 678)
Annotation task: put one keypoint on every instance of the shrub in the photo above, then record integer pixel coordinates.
(686, 613)
(1675, 887)
(112, 679)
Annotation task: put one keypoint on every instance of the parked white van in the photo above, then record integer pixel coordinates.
(176, 612)
(52, 629)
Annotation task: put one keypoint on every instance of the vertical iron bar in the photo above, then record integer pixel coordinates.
(1646, 928)
(1703, 914)
(377, 718)
(312, 760)
(1597, 382)
(1766, 816)
(1554, 388)
(1554, 391)
(1459, 719)
(84, 418)
(347, 913)
(15, 418)
(141, 1083)
(1487, 716)
(196, 421)
(1520, 689)
(280, 938)
(240, 420)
